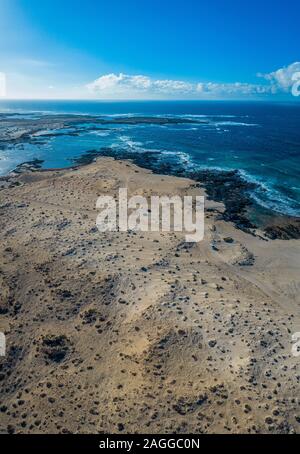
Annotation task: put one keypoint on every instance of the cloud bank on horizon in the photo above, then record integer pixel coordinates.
(124, 85)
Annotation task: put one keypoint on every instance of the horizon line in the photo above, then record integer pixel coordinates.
(292, 99)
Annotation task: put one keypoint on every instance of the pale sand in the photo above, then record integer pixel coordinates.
(197, 343)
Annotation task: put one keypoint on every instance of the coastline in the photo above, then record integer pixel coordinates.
(233, 188)
(149, 334)
(224, 186)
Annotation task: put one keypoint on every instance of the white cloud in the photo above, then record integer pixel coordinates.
(121, 82)
(236, 88)
(168, 86)
(116, 85)
(124, 82)
(282, 79)
(127, 85)
(106, 82)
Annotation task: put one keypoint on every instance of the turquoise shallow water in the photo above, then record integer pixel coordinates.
(261, 140)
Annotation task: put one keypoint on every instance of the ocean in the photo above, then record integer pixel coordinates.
(261, 140)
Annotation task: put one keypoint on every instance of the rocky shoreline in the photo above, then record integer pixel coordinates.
(227, 187)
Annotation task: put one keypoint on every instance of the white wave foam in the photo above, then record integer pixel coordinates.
(206, 116)
(129, 142)
(125, 115)
(100, 133)
(181, 157)
(264, 194)
(7, 163)
(234, 123)
(268, 197)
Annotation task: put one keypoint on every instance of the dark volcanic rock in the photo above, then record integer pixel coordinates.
(28, 166)
(231, 189)
(55, 348)
(284, 232)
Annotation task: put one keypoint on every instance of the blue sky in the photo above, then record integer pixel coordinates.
(174, 49)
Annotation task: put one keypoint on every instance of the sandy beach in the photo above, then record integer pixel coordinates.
(140, 332)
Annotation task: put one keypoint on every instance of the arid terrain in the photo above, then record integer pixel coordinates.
(140, 332)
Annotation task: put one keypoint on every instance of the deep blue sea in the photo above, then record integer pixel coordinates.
(261, 140)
